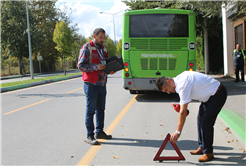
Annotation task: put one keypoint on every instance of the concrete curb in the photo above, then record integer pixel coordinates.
(28, 75)
(236, 124)
(11, 88)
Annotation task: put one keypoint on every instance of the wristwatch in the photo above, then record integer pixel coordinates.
(178, 132)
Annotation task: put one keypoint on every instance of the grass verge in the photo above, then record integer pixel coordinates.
(36, 80)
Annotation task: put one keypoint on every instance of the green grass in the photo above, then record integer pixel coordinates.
(35, 80)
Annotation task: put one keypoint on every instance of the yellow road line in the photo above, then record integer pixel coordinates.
(91, 153)
(75, 90)
(26, 107)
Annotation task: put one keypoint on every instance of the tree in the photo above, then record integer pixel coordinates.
(90, 38)
(14, 30)
(64, 40)
(110, 47)
(79, 40)
(47, 14)
(119, 48)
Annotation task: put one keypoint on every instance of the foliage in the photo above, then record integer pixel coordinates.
(79, 40)
(47, 14)
(14, 34)
(119, 48)
(110, 47)
(64, 40)
(90, 38)
(63, 37)
(199, 53)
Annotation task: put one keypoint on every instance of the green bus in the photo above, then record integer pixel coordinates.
(156, 42)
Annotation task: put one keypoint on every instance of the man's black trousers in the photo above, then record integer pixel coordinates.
(206, 117)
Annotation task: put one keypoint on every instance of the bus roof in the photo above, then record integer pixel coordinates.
(159, 10)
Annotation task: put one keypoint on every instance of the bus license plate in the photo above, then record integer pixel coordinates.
(152, 82)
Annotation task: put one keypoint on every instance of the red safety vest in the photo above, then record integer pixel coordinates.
(94, 58)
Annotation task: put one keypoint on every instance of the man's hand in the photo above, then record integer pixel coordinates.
(174, 137)
(100, 67)
(112, 72)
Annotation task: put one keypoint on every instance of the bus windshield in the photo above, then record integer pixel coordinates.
(159, 25)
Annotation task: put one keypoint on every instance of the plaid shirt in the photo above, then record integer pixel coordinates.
(84, 66)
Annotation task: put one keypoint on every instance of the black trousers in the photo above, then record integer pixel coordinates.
(237, 69)
(206, 117)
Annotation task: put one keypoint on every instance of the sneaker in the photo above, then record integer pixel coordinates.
(92, 141)
(103, 135)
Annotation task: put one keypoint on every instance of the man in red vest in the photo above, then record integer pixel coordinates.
(92, 60)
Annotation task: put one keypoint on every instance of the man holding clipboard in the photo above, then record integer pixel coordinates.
(92, 62)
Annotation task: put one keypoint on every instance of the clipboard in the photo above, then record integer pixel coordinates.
(113, 66)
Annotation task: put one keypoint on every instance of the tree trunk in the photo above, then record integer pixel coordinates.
(64, 66)
(9, 69)
(20, 65)
(206, 53)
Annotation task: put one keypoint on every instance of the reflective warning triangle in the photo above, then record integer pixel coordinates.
(157, 156)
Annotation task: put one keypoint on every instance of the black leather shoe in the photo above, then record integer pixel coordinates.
(103, 135)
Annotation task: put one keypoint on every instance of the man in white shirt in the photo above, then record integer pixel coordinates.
(212, 94)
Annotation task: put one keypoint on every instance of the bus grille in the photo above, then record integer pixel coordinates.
(139, 43)
(164, 63)
(177, 44)
(158, 44)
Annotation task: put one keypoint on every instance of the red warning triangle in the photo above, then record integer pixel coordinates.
(157, 156)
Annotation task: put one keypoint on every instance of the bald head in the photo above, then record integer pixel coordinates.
(238, 47)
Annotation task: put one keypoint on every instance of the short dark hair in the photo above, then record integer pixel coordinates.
(161, 81)
(97, 30)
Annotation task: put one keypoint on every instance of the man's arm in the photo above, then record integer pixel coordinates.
(83, 61)
(182, 117)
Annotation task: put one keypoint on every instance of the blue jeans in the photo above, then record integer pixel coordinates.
(95, 104)
(206, 118)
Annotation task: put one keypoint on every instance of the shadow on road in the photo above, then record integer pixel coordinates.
(182, 144)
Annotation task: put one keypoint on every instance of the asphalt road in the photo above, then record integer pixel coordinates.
(44, 125)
